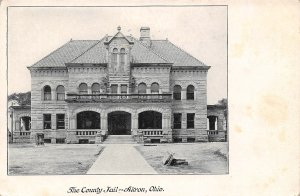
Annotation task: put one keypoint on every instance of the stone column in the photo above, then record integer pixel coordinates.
(119, 89)
(216, 123)
(148, 90)
(219, 124)
(183, 94)
(53, 121)
(53, 94)
(104, 121)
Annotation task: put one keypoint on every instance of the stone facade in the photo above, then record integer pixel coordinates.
(123, 76)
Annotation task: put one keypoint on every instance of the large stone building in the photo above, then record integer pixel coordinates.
(150, 89)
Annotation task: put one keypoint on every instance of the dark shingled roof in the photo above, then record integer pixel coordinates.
(94, 51)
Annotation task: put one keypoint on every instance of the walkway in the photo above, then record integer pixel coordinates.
(120, 159)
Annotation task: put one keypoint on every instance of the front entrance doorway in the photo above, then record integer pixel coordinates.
(119, 123)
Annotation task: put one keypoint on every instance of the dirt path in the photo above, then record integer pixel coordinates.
(121, 159)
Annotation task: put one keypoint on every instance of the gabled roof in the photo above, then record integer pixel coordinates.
(94, 52)
(174, 54)
(65, 53)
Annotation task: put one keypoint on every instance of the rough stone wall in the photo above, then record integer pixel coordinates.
(88, 75)
(149, 75)
(198, 79)
(39, 79)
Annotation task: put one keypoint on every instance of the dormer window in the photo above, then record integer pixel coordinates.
(114, 58)
(122, 57)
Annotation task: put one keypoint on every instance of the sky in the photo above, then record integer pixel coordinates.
(34, 32)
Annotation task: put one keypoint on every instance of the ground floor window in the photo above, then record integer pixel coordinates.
(60, 121)
(190, 121)
(88, 120)
(150, 120)
(47, 121)
(177, 121)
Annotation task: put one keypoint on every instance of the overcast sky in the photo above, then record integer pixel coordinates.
(35, 32)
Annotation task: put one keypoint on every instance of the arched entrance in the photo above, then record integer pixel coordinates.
(119, 123)
(88, 120)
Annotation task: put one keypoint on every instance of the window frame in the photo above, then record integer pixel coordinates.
(177, 125)
(190, 123)
(152, 88)
(126, 87)
(46, 96)
(177, 95)
(113, 85)
(59, 94)
(83, 91)
(60, 121)
(140, 84)
(47, 122)
(97, 91)
(190, 95)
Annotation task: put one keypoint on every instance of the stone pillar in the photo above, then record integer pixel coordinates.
(183, 94)
(104, 121)
(166, 126)
(148, 90)
(119, 89)
(216, 123)
(134, 126)
(219, 124)
(72, 123)
(53, 121)
(207, 125)
(53, 94)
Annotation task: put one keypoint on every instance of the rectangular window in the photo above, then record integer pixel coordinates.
(114, 88)
(190, 121)
(47, 121)
(177, 121)
(124, 89)
(60, 121)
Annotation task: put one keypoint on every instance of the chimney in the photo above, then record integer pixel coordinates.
(145, 36)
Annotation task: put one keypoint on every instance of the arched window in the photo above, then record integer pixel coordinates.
(177, 92)
(60, 93)
(155, 88)
(122, 58)
(83, 88)
(96, 88)
(114, 58)
(142, 88)
(47, 93)
(190, 92)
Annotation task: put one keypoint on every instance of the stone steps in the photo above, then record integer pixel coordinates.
(119, 139)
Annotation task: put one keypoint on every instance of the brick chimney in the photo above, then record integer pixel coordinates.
(145, 36)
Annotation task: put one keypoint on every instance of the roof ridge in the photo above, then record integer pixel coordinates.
(98, 41)
(187, 53)
(51, 52)
(163, 58)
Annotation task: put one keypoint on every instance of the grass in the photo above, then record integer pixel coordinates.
(203, 158)
(51, 159)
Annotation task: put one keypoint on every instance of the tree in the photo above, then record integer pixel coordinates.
(21, 98)
(224, 102)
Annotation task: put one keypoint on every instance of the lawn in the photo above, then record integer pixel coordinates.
(203, 158)
(51, 159)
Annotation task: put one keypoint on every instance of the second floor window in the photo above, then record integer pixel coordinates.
(83, 88)
(96, 88)
(47, 93)
(155, 88)
(60, 93)
(177, 92)
(114, 88)
(190, 92)
(142, 88)
(124, 89)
